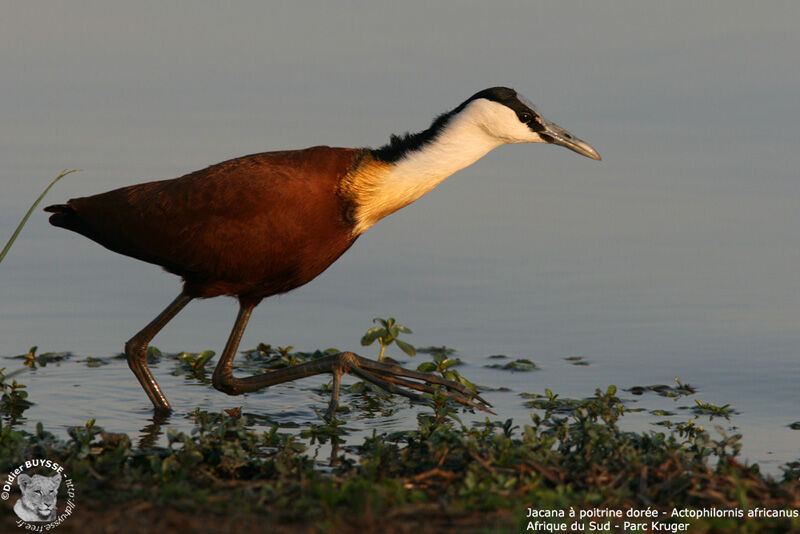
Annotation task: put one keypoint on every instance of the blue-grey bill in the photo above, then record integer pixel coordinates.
(563, 138)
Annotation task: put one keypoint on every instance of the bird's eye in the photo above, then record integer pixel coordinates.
(525, 116)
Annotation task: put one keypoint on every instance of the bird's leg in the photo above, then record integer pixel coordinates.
(150, 433)
(136, 351)
(337, 384)
(388, 376)
(223, 378)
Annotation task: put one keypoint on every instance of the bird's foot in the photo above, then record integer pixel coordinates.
(396, 379)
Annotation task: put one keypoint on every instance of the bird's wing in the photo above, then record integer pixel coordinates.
(209, 222)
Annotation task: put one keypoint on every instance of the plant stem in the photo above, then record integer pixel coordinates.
(30, 210)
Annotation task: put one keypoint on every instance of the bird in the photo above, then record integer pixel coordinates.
(264, 224)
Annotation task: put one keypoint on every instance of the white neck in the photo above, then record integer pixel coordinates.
(462, 142)
(459, 145)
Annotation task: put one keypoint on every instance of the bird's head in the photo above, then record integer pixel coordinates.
(510, 118)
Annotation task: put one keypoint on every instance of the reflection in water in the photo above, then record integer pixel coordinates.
(149, 434)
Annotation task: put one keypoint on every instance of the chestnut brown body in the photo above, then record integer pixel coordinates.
(251, 227)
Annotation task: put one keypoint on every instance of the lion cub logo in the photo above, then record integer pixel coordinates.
(38, 502)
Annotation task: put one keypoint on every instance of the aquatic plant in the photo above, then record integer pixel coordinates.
(387, 333)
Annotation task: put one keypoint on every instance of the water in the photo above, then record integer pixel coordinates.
(674, 257)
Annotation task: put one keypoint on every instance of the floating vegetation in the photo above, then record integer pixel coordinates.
(193, 364)
(483, 387)
(154, 355)
(678, 390)
(712, 410)
(577, 360)
(522, 365)
(33, 360)
(448, 351)
(683, 428)
(95, 362)
(552, 403)
(662, 413)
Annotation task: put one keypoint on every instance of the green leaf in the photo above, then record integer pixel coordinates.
(404, 329)
(467, 383)
(358, 387)
(372, 334)
(202, 360)
(663, 413)
(426, 367)
(405, 347)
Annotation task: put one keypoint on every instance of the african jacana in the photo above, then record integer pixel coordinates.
(264, 224)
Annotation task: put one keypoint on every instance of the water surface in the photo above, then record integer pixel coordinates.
(674, 257)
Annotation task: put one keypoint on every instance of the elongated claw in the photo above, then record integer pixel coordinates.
(462, 399)
(390, 376)
(384, 384)
(388, 368)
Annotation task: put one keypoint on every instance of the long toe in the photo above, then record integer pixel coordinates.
(395, 379)
(396, 370)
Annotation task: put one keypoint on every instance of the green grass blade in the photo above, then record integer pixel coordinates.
(27, 215)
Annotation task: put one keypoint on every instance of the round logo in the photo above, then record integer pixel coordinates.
(44, 494)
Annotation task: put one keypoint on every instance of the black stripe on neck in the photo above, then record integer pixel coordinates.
(400, 145)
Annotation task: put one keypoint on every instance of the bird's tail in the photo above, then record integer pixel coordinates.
(65, 217)
(59, 208)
